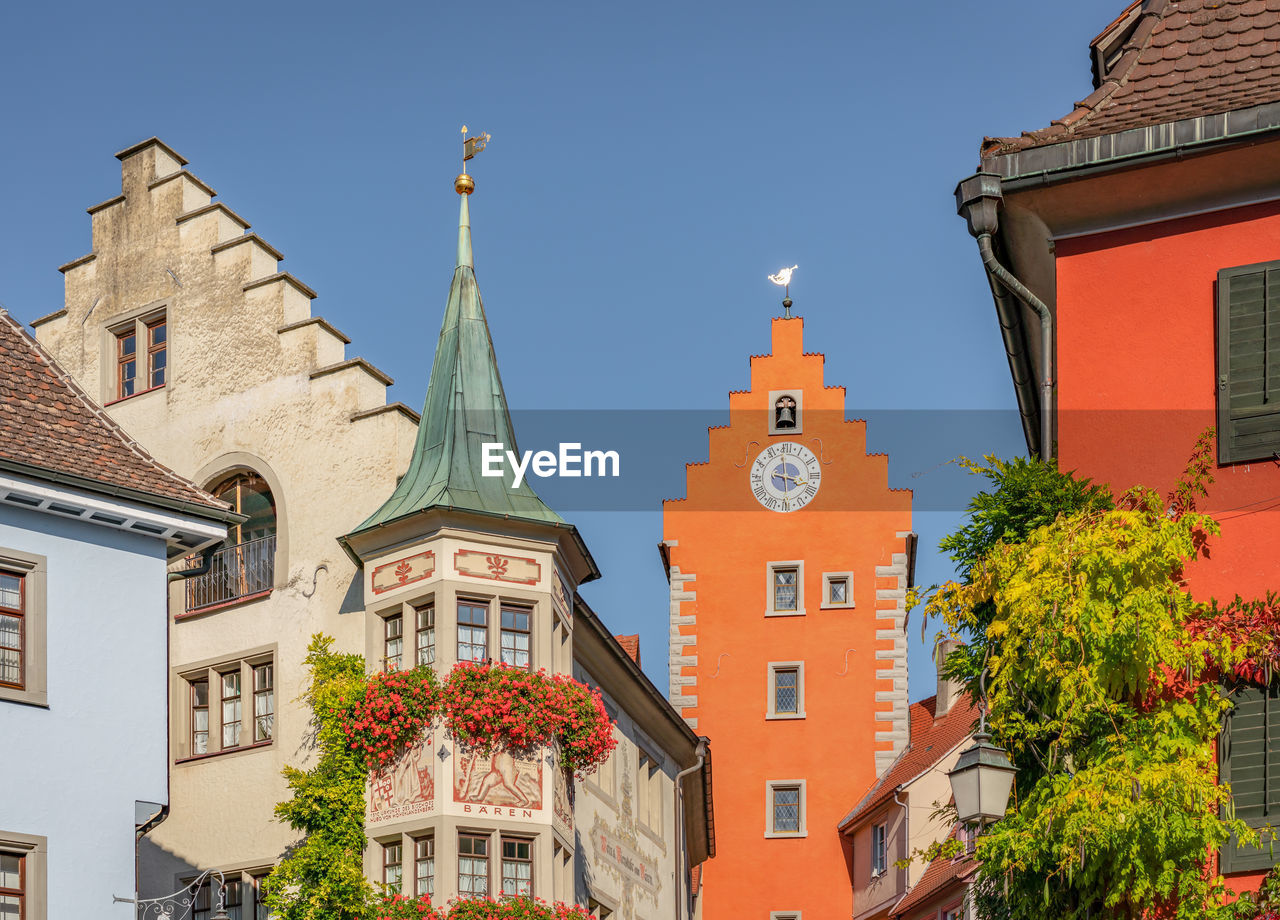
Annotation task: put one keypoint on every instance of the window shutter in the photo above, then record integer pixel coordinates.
(1250, 748)
(1249, 362)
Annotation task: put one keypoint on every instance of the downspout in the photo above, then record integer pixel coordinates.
(977, 201)
(1020, 291)
(683, 869)
(206, 563)
(906, 833)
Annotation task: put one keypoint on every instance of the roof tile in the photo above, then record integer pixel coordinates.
(1185, 58)
(48, 422)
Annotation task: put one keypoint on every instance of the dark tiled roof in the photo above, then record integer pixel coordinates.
(630, 645)
(48, 422)
(939, 877)
(1185, 58)
(930, 741)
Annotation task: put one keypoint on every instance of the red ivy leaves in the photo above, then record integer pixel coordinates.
(483, 705)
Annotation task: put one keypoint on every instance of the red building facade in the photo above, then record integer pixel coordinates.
(1134, 250)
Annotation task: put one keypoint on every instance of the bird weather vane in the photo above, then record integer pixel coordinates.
(783, 280)
(472, 145)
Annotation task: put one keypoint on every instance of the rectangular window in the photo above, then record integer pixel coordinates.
(12, 631)
(393, 642)
(878, 856)
(13, 886)
(786, 691)
(157, 340)
(426, 634)
(391, 856)
(263, 702)
(786, 809)
(473, 865)
(231, 707)
(425, 866)
(785, 596)
(517, 867)
(232, 712)
(126, 363)
(649, 793)
(1248, 362)
(838, 591)
(259, 898)
(473, 631)
(199, 717)
(515, 636)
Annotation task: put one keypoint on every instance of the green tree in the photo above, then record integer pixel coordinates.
(1075, 606)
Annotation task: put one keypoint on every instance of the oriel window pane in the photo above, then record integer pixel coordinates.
(425, 870)
(426, 634)
(393, 632)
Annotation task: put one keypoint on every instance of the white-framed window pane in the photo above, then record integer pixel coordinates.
(473, 632)
(786, 690)
(231, 709)
(263, 702)
(393, 631)
(786, 810)
(473, 875)
(425, 867)
(426, 635)
(784, 589)
(391, 853)
(839, 591)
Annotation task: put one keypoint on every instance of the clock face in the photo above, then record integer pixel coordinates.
(785, 476)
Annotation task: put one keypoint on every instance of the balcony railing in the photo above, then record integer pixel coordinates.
(236, 572)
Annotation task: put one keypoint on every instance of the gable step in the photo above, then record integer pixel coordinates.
(280, 276)
(393, 407)
(249, 238)
(353, 362)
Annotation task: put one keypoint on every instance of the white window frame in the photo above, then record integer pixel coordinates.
(774, 396)
(769, 832)
(771, 689)
(883, 855)
(770, 568)
(212, 670)
(827, 578)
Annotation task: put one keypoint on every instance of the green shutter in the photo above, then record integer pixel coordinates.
(1250, 749)
(1249, 362)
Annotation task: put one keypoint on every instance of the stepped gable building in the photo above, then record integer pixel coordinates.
(88, 520)
(789, 562)
(1133, 250)
(182, 322)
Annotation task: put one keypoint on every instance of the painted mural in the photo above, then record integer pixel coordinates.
(406, 788)
(497, 783)
(618, 851)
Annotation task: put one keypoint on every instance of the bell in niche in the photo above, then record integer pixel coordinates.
(784, 412)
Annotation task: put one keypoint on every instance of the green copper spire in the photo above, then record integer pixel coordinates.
(465, 409)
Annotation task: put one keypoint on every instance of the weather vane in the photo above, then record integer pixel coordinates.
(464, 184)
(783, 280)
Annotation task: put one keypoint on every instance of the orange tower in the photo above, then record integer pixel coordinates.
(789, 561)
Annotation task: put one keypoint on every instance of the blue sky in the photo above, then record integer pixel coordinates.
(650, 164)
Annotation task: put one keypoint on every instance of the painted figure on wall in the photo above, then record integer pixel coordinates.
(406, 787)
(497, 779)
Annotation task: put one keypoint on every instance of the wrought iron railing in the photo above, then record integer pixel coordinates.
(236, 571)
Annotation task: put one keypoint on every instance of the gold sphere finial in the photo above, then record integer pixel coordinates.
(464, 184)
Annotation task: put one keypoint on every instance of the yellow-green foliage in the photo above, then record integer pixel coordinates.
(1081, 622)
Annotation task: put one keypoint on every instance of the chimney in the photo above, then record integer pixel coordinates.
(948, 690)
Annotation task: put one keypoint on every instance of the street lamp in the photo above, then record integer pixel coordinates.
(982, 777)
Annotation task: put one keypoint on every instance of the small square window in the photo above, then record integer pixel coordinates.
(785, 807)
(837, 589)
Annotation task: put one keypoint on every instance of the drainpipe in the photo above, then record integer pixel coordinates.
(977, 201)
(683, 869)
(206, 563)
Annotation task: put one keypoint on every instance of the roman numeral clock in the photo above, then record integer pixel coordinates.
(785, 476)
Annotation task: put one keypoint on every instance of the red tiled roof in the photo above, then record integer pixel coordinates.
(1185, 58)
(630, 645)
(48, 422)
(931, 740)
(940, 876)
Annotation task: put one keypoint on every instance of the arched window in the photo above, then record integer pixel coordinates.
(244, 566)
